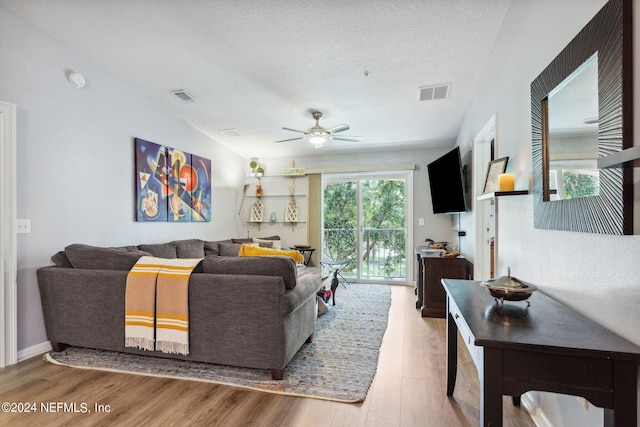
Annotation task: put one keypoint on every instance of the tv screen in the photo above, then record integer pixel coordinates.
(447, 183)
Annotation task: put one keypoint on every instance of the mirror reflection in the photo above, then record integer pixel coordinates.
(572, 144)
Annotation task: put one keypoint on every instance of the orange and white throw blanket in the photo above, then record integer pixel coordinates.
(157, 304)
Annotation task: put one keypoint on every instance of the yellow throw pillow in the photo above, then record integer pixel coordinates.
(248, 250)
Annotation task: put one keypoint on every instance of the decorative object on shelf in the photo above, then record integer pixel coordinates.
(495, 168)
(253, 164)
(257, 212)
(509, 288)
(259, 192)
(293, 170)
(291, 211)
(273, 217)
(259, 171)
(506, 181)
(171, 185)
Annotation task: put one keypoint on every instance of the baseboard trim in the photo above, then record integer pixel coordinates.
(536, 412)
(34, 350)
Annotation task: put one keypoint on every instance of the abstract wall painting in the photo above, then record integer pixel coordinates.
(171, 185)
(200, 188)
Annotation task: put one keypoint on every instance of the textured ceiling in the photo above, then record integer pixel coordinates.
(257, 65)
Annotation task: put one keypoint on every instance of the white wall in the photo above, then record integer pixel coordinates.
(436, 227)
(76, 159)
(597, 275)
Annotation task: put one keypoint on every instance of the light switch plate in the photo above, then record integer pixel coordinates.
(23, 226)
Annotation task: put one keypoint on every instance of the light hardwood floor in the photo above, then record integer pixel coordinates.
(408, 390)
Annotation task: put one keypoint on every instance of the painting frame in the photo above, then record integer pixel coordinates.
(171, 185)
(494, 168)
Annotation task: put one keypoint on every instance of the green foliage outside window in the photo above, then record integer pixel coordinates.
(383, 213)
(579, 185)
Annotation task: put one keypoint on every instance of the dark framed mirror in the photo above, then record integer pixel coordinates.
(575, 123)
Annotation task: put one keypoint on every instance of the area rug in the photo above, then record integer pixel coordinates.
(338, 365)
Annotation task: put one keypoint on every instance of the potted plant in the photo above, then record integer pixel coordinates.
(253, 164)
(260, 171)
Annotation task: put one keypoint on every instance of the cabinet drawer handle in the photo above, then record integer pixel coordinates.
(456, 315)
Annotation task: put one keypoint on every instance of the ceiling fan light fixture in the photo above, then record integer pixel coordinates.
(317, 139)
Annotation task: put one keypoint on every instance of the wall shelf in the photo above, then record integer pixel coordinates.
(625, 158)
(276, 222)
(502, 194)
(275, 195)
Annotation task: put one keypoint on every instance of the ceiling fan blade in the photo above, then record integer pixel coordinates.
(346, 138)
(339, 128)
(287, 140)
(294, 130)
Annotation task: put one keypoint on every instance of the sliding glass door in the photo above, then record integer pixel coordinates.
(365, 219)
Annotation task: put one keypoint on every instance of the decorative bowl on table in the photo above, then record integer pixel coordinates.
(508, 288)
(302, 246)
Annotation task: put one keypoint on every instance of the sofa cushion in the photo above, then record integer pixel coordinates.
(229, 249)
(243, 240)
(253, 266)
(190, 248)
(97, 258)
(211, 248)
(161, 250)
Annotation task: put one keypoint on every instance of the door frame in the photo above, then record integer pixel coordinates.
(483, 211)
(407, 175)
(8, 247)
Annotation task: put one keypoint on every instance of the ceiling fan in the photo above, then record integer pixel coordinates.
(317, 135)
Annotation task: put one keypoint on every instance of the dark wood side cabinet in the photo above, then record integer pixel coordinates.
(431, 295)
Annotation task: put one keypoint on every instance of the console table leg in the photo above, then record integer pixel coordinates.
(625, 409)
(452, 353)
(516, 400)
(491, 388)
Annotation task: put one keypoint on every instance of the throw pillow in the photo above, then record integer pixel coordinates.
(60, 260)
(190, 248)
(213, 248)
(275, 243)
(229, 249)
(247, 250)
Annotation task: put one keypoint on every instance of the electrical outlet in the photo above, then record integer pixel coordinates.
(23, 226)
(420, 221)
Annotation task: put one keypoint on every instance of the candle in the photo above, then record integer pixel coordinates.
(506, 181)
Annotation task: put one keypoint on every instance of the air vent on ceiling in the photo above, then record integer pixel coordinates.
(230, 132)
(183, 95)
(429, 93)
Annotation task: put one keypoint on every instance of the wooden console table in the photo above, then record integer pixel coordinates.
(546, 347)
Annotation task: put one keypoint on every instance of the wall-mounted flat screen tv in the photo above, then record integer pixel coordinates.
(447, 183)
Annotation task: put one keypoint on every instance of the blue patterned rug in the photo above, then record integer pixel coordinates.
(338, 365)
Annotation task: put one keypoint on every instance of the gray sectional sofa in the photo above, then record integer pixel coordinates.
(243, 311)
